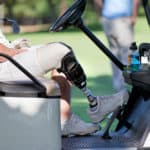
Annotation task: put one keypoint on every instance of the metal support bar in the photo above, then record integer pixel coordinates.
(109, 123)
(100, 45)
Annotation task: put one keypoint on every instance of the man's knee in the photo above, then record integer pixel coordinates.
(50, 55)
(63, 59)
(71, 68)
(60, 47)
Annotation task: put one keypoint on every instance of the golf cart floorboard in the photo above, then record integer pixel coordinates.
(134, 137)
(96, 142)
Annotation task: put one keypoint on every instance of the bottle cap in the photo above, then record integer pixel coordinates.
(133, 46)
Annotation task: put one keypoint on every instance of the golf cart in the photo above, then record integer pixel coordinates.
(30, 117)
(133, 129)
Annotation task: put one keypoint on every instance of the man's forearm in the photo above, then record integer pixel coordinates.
(8, 51)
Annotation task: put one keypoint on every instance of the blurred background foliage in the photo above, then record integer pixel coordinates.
(46, 11)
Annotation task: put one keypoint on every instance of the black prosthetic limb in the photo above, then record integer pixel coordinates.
(74, 73)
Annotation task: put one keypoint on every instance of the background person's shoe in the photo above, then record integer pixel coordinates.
(76, 126)
(107, 104)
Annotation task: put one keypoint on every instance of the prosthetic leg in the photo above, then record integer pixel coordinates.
(75, 73)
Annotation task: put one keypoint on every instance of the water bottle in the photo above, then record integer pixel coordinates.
(134, 58)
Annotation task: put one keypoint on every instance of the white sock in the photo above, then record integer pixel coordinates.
(63, 123)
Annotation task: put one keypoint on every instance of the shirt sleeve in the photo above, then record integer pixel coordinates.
(4, 41)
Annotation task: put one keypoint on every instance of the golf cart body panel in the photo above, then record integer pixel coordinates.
(31, 123)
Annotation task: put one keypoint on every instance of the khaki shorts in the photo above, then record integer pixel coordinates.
(37, 60)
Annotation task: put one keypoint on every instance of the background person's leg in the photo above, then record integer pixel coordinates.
(123, 31)
(119, 33)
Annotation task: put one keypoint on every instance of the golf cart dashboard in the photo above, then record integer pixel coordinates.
(141, 77)
(138, 78)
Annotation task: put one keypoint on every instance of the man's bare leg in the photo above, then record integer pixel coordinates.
(70, 123)
(65, 94)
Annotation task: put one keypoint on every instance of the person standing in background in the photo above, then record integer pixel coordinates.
(118, 19)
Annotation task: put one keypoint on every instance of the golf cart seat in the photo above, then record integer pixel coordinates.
(27, 88)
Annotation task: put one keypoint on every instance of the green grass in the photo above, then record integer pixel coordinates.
(94, 62)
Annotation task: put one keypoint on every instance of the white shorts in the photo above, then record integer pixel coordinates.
(37, 60)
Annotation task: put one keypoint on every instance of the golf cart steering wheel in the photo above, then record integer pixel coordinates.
(71, 16)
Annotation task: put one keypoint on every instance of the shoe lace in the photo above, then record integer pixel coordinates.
(75, 119)
(104, 99)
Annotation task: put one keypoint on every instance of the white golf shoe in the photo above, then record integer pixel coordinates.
(107, 104)
(76, 126)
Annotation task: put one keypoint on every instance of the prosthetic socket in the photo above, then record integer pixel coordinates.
(74, 72)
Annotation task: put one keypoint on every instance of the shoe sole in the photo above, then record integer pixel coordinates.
(79, 134)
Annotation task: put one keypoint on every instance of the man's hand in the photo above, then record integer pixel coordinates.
(9, 51)
(133, 20)
(20, 43)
